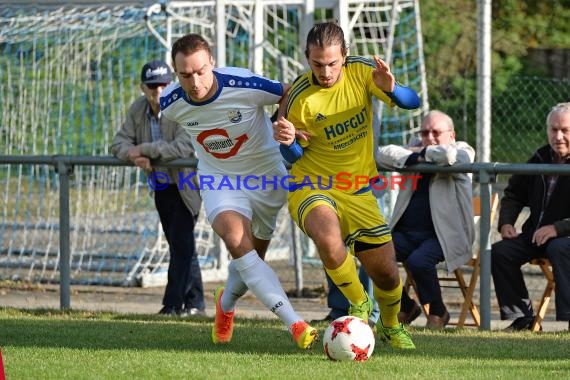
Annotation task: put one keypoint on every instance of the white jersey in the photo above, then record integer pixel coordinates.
(231, 132)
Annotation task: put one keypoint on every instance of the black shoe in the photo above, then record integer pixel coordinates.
(409, 316)
(169, 311)
(520, 324)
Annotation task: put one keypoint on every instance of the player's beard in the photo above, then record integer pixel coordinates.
(326, 82)
(329, 81)
(202, 93)
(197, 93)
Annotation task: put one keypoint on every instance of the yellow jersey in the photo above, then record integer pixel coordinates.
(339, 153)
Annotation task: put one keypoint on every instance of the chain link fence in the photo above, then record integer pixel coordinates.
(518, 114)
(98, 66)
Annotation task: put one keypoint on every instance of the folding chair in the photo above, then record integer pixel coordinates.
(546, 268)
(456, 279)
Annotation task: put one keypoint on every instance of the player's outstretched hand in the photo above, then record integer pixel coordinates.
(383, 77)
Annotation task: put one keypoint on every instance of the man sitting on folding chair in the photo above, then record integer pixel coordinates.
(432, 221)
(546, 232)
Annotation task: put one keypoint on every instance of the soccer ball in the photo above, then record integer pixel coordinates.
(348, 339)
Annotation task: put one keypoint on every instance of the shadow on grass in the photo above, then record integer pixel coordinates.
(106, 331)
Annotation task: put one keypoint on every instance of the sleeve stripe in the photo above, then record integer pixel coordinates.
(295, 91)
(363, 60)
(166, 99)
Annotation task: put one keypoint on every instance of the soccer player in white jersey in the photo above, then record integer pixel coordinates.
(239, 169)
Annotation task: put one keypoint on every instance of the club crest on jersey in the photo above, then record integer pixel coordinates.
(234, 116)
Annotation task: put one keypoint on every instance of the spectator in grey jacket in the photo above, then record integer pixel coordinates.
(432, 220)
(145, 136)
(546, 232)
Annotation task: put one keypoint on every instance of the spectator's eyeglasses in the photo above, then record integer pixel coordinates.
(425, 133)
(153, 86)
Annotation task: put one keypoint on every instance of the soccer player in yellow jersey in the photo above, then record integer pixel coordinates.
(325, 132)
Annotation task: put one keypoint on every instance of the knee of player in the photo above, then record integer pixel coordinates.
(386, 282)
(237, 243)
(331, 252)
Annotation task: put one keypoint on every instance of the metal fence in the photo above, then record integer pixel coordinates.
(519, 109)
(485, 174)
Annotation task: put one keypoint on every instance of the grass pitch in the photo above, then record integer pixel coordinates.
(50, 344)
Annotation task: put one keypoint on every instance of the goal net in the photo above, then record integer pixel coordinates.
(68, 73)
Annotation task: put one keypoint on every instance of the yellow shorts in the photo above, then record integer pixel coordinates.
(359, 214)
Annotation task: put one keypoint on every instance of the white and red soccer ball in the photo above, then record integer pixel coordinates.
(348, 339)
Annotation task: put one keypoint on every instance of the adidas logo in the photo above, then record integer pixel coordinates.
(320, 117)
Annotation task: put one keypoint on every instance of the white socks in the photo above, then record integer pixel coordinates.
(264, 283)
(234, 289)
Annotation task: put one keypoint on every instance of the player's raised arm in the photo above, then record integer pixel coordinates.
(383, 77)
(403, 97)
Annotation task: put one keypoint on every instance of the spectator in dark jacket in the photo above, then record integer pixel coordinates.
(546, 232)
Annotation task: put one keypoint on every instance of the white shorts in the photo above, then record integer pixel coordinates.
(257, 197)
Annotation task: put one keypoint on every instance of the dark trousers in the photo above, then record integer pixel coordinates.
(421, 252)
(184, 287)
(507, 257)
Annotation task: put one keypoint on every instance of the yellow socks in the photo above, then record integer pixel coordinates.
(389, 304)
(346, 278)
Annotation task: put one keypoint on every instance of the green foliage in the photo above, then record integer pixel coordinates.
(450, 34)
(519, 108)
(521, 99)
